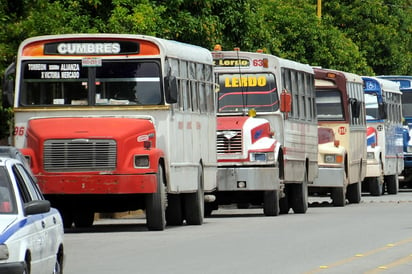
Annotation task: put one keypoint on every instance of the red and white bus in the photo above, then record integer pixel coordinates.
(266, 132)
(340, 105)
(114, 122)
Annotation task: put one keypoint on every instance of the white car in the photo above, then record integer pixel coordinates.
(31, 232)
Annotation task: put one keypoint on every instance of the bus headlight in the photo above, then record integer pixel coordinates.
(141, 161)
(262, 156)
(4, 252)
(332, 158)
(370, 155)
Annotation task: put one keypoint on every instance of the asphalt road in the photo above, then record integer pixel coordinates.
(371, 237)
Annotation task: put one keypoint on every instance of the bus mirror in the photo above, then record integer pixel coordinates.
(355, 107)
(171, 89)
(8, 86)
(285, 101)
(382, 110)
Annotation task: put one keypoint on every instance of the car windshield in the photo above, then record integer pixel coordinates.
(7, 197)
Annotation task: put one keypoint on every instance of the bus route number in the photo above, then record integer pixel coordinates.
(257, 62)
(18, 131)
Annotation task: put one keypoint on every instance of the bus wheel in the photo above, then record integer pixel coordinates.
(174, 214)
(67, 216)
(299, 196)
(375, 185)
(353, 193)
(338, 196)
(83, 218)
(271, 203)
(392, 182)
(195, 203)
(156, 204)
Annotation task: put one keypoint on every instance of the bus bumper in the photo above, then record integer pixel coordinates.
(329, 177)
(97, 183)
(373, 170)
(247, 178)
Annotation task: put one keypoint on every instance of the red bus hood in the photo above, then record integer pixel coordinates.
(88, 127)
(231, 122)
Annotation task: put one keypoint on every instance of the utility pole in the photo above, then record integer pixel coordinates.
(319, 9)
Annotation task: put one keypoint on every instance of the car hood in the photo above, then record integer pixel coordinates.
(6, 221)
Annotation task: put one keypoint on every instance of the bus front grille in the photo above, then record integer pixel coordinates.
(77, 155)
(229, 142)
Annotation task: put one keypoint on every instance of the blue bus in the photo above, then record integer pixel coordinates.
(383, 100)
(405, 85)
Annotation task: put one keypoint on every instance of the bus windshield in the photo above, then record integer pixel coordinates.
(407, 103)
(68, 82)
(240, 93)
(371, 105)
(329, 105)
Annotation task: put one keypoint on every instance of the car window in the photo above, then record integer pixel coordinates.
(7, 200)
(26, 184)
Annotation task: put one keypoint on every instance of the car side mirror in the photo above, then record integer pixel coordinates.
(36, 207)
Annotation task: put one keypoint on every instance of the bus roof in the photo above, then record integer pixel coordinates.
(278, 61)
(169, 48)
(377, 84)
(405, 81)
(350, 77)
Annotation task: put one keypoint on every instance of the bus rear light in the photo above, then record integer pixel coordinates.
(331, 75)
(217, 48)
(141, 161)
(336, 143)
(236, 49)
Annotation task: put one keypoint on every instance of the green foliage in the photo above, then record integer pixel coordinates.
(361, 36)
(6, 115)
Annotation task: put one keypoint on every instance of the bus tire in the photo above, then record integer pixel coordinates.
(174, 211)
(392, 182)
(67, 216)
(353, 193)
(195, 203)
(284, 205)
(375, 185)
(83, 218)
(271, 203)
(338, 196)
(299, 196)
(156, 204)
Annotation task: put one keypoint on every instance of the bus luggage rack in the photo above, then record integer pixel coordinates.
(229, 143)
(70, 155)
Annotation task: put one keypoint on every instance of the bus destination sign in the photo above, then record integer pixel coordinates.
(231, 62)
(92, 47)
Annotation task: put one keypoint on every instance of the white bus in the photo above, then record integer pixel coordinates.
(383, 100)
(117, 122)
(340, 104)
(266, 132)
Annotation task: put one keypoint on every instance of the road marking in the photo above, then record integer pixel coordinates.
(366, 254)
(393, 264)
